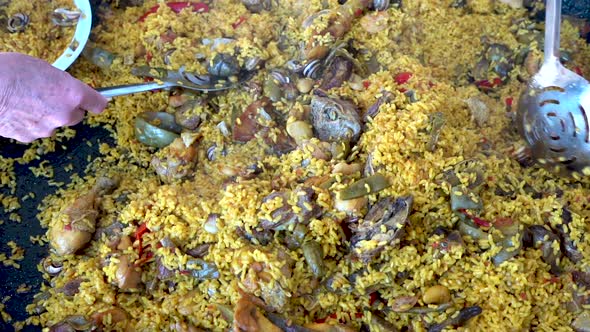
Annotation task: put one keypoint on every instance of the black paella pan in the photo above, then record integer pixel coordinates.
(77, 152)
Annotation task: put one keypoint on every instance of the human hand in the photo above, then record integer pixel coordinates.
(36, 98)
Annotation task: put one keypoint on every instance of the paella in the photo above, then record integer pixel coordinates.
(360, 172)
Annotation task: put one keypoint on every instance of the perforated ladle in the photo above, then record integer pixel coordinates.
(552, 113)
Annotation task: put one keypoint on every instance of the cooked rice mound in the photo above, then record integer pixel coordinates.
(40, 38)
(426, 50)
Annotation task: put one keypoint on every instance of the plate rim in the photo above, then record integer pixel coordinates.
(81, 36)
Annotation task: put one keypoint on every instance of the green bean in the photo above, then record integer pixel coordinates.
(463, 199)
(313, 253)
(469, 167)
(204, 271)
(437, 121)
(468, 228)
(156, 129)
(511, 246)
(299, 233)
(272, 89)
(365, 186)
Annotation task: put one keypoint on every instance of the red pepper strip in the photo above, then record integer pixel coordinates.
(237, 23)
(476, 220)
(141, 230)
(144, 250)
(578, 71)
(140, 248)
(366, 84)
(484, 84)
(403, 78)
(68, 227)
(358, 12)
(487, 84)
(148, 57)
(323, 320)
(177, 7)
(373, 297)
(509, 101)
(552, 280)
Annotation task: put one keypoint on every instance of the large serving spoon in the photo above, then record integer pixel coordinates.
(551, 114)
(167, 79)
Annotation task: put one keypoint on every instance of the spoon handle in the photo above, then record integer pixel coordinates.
(122, 90)
(552, 28)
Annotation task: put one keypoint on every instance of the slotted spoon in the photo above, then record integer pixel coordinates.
(552, 115)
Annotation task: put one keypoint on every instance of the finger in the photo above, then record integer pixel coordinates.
(63, 118)
(47, 133)
(22, 135)
(91, 100)
(75, 117)
(23, 139)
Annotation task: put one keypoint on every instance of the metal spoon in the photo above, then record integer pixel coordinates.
(551, 114)
(167, 79)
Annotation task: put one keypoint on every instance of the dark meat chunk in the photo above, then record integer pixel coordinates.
(339, 72)
(335, 120)
(568, 246)
(539, 237)
(383, 225)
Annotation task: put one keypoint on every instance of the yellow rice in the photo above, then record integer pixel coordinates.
(40, 38)
(428, 39)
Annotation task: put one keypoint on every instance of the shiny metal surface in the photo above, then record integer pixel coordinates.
(553, 111)
(166, 79)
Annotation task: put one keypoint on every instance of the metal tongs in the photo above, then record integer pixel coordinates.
(165, 79)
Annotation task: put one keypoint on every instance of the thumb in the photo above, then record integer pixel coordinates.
(92, 100)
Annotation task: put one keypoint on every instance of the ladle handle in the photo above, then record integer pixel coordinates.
(552, 29)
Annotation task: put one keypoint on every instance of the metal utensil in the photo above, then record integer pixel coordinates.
(166, 79)
(552, 114)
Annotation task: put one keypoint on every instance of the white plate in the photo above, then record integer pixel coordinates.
(72, 52)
